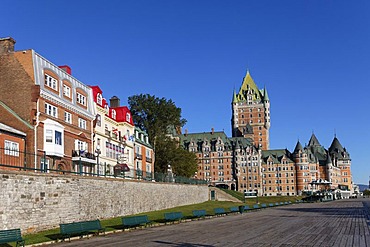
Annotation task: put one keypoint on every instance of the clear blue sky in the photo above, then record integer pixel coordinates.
(313, 57)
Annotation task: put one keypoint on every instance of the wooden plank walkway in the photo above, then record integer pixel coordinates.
(337, 223)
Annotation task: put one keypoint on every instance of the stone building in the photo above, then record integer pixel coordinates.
(57, 106)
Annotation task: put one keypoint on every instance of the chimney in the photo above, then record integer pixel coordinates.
(66, 68)
(212, 131)
(6, 45)
(114, 102)
(186, 132)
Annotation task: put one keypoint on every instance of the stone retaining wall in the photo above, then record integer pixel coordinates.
(34, 202)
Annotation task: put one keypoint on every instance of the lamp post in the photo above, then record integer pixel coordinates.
(97, 153)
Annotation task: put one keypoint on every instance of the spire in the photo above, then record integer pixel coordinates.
(313, 141)
(298, 147)
(265, 95)
(235, 99)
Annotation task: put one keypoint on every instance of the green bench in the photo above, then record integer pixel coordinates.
(271, 205)
(246, 208)
(132, 221)
(12, 235)
(199, 213)
(277, 204)
(173, 216)
(256, 206)
(219, 211)
(234, 210)
(80, 228)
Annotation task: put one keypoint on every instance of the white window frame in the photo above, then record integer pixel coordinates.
(68, 117)
(99, 99)
(51, 82)
(128, 117)
(66, 91)
(51, 110)
(114, 114)
(82, 123)
(11, 148)
(81, 99)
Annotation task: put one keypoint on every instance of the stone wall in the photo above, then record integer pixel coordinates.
(34, 202)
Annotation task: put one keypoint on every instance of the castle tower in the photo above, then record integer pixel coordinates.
(251, 113)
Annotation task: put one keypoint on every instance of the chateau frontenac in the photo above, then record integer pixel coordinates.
(245, 163)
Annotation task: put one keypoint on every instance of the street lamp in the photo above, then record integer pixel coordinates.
(97, 153)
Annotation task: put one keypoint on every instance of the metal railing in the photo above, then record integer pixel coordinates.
(16, 160)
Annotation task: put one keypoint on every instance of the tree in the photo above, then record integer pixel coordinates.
(156, 116)
(366, 193)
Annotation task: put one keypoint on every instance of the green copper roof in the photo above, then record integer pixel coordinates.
(265, 95)
(235, 99)
(276, 155)
(248, 85)
(15, 115)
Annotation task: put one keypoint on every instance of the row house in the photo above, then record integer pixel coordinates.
(12, 147)
(113, 136)
(144, 155)
(57, 106)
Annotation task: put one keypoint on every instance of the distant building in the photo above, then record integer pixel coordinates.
(251, 113)
(144, 155)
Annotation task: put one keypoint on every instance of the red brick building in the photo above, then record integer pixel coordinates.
(58, 107)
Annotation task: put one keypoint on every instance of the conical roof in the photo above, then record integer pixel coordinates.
(313, 141)
(265, 94)
(328, 159)
(336, 146)
(248, 85)
(298, 147)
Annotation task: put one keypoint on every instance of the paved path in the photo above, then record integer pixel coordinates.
(337, 223)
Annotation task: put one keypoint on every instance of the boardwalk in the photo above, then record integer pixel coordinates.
(337, 223)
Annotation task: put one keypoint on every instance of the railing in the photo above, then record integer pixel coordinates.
(148, 159)
(139, 156)
(20, 161)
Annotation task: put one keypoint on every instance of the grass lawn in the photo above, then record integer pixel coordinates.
(158, 216)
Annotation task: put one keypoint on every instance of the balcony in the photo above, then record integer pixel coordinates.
(139, 156)
(107, 133)
(78, 155)
(148, 159)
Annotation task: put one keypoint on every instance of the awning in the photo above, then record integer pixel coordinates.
(122, 167)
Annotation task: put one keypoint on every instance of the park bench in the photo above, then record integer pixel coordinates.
(199, 213)
(271, 205)
(246, 208)
(80, 228)
(234, 210)
(133, 221)
(263, 205)
(12, 235)
(256, 206)
(173, 216)
(277, 204)
(219, 211)
(281, 203)
(286, 203)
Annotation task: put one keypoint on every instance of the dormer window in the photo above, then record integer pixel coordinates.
(81, 99)
(113, 114)
(99, 99)
(128, 117)
(106, 108)
(51, 82)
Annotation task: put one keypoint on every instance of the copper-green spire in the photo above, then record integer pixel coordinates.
(265, 95)
(235, 99)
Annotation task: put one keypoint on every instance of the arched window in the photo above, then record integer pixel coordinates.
(113, 114)
(99, 99)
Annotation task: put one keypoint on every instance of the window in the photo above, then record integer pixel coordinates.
(99, 99)
(49, 135)
(51, 110)
(98, 120)
(82, 123)
(80, 145)
(68, 117)
(11, 148)
(81, 99)
(51, 82)
(113, 114)
(58, 138)
(66, 91)
(128, 117)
